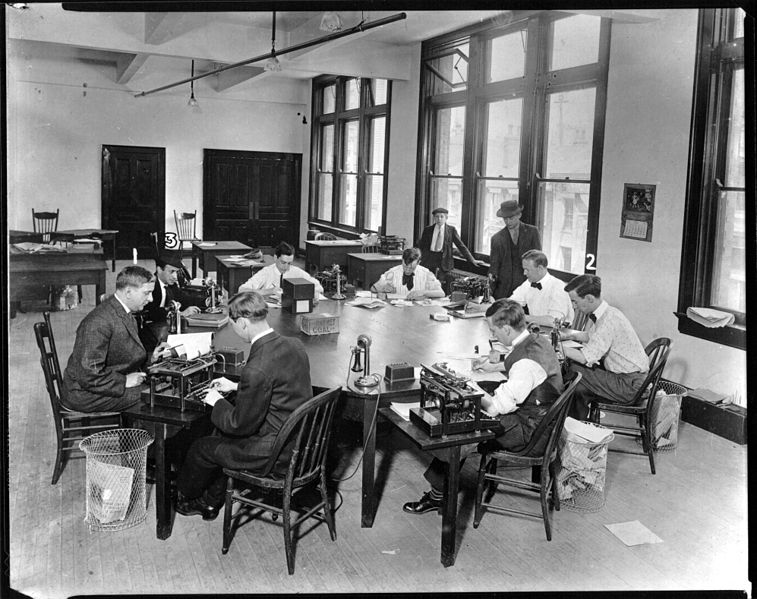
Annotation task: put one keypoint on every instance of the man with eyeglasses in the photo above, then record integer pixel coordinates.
(507, 247)
(268, 280)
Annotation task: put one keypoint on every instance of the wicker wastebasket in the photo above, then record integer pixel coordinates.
(581, 478)
(665, 415)
(116, 468)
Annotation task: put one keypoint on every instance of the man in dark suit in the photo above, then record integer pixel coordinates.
(436, 244)
(104, 371)
(166, 291)
(507, 248)
(275, 381)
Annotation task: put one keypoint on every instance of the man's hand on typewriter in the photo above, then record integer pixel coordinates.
(163, 350)
(211, 397)
(134, 379)
(486, 365)
(223, 385)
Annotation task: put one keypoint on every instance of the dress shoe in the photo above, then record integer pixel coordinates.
(196, 507)
(426, 504)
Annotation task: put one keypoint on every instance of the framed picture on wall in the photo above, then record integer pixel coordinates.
(637, 216)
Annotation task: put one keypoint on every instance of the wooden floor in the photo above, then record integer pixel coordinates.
(696, 504)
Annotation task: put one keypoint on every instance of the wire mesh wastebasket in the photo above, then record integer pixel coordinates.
(116, 469)
(581, 478)
(665, 415)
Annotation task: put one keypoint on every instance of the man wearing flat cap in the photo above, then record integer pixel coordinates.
(436, 247)
(507, 248)
(166, 292)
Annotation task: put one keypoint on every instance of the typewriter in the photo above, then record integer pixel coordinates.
(328, 279)
(449, 404)
(181, 383)
(391, 244)
(470, 287)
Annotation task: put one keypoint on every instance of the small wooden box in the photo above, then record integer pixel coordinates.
(297, 295)
(319, 324)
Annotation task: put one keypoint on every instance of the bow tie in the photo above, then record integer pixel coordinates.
(407, 280)
(536, 286)
(593, 317)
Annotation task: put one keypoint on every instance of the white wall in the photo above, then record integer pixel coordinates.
(647, 141)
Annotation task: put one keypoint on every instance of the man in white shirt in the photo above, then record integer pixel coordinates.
(612, 359)
(544, 294)
(267, 281)
(534, 383)
(409, 280)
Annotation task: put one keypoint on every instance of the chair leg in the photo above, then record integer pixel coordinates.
(227, 515)
(328, 513)
(647, 437)
(555, 494)
(58, 468)
(287, 522)
(543, 493)
(479, 511)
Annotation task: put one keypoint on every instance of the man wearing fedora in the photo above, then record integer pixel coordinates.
(436, 245)
(507, 247)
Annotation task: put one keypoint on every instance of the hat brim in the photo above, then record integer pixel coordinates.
(515, 212)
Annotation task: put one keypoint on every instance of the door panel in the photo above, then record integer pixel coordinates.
(133, 197)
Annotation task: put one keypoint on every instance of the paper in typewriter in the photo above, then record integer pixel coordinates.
(193, 344)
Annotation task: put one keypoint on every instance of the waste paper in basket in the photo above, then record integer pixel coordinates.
(116, 469)
(665, 415)
(583, 463)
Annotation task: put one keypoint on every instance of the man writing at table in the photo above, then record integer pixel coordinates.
(543, 294)
(268, 280)
(612, 360)
(274, 382)
(534, 383)
(409, 280)
(104, 372)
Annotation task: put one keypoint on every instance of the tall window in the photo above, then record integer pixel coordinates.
(349, 157)
(713, 268)
(517, 111)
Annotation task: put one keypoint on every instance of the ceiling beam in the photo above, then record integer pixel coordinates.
(127, 66)
(227, 79)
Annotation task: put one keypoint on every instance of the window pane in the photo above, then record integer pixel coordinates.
(347, 199)
(325, 195)
(450, 132)
(377, 92)
(502, 151)
(378, 137)
(563, 222)
(507, 56)
(738, 25)
(350, 147)
(447, 193)
(375, 201)
(729, 273)
(329, 99)
(569, 134)
(448, 73)
(352, 94)
(575, 41)
(490, 193)
(327, 148)
(736, 157)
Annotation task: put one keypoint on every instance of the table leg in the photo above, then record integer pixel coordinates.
(368, 506)
(162, 489)
(113, 255)
(100, 287)
(449, 507)
(194, 262)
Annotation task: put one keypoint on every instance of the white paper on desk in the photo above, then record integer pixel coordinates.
(195, 344)
(403, 409)
(571, 343)
(633, 533)
(363, 293)
(463, 366)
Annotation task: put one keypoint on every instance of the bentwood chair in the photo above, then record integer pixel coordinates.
(642, 404)
(297, 460)
(70, 426)
(186, 227)
(540, 454)
(45, 223)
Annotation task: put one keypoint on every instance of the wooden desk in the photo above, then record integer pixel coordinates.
(164, 422)
(207, 253)
(363, 270)
(76, 266)
(230, 275)
(103, 234)
(24, 236)
(324, 254)
(451, 444)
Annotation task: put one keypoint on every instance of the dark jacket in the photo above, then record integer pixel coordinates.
(506, 265)
(275, 381)
(106, 349)
(450, 236)
(152, 311)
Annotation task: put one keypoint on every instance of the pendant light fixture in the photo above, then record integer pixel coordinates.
(192, 100)
(273, 64)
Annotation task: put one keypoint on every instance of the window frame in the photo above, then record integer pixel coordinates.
(364, 114)
(718, 54)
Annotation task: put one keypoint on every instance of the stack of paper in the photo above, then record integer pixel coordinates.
(709, 317)
(403, 409)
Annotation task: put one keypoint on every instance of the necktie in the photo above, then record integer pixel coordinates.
(593, 317)
(407, 280)
(536, 286)
(439, 239)
(281, 280)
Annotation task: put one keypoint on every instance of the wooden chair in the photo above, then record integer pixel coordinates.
(45, 223)
(70, 426)
(186, 227)
(540, 453)
(325, 237)
(642, 403)
(306, 434)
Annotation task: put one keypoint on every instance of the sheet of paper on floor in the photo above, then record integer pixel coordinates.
(633, 533)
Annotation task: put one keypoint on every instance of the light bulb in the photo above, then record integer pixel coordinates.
(272, 64)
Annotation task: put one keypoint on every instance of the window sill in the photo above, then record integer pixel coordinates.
(732, 336)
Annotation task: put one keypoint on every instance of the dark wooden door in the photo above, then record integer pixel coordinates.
(252, 197)
(133, 197)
